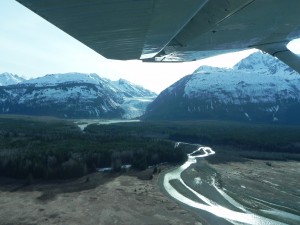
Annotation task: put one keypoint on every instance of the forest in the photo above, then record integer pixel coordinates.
(50, 148)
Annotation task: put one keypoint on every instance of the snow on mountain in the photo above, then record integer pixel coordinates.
(136, 98)
(9, 79)
(263, 63)
(54, 79)
(75, 95)
(136, 106)
(69, 101)
(131, 89)
(238, 87)
(259, 88)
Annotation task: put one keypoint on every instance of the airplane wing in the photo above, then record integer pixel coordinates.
(176, 30)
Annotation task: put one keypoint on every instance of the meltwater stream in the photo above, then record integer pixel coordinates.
(234, 217)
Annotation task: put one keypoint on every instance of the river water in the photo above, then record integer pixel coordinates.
(203, 203)
(83, 123)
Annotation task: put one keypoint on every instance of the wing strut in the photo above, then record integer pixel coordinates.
(290, 59)
(280, 51)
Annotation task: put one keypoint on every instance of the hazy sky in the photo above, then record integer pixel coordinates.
(32, 47)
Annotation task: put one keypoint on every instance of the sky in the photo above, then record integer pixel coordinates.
(32, 47)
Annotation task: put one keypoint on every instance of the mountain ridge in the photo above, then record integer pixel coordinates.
(10, 79)
(257, 89)
(74, 95)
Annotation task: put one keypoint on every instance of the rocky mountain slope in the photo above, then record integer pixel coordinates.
(260, 88)
(75, 95)
(9, 79)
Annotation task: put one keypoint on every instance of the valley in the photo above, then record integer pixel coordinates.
(149, 112)
(104, 199)
(93, 146)
(261, 178)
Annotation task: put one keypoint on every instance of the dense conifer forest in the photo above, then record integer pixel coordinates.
(49, 148)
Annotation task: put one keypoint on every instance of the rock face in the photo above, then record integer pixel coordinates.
(75, 95)
(260, 88)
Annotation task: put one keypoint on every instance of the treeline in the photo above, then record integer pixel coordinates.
(58, 149)
(258, 137)
(248, 137)
(233, 141)
(49, 148)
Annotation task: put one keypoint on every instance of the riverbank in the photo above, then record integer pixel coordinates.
(202, 216)
(264, 187)
(110, 198)
(251, 192)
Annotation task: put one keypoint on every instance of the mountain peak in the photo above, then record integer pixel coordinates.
(263, 63)
(258, 89)
(208, 69)
(133, 90)
(74, 95)
(74, 77)
(121, 81)
(10, 79)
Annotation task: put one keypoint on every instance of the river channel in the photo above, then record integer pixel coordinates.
(202, 195)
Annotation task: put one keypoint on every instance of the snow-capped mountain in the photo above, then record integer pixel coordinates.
(9, 79)
(74, 95)
(131, 89)
(55, 79)
(260, 88)
(263, 64)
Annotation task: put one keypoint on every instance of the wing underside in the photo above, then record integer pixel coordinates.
(176, 30)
